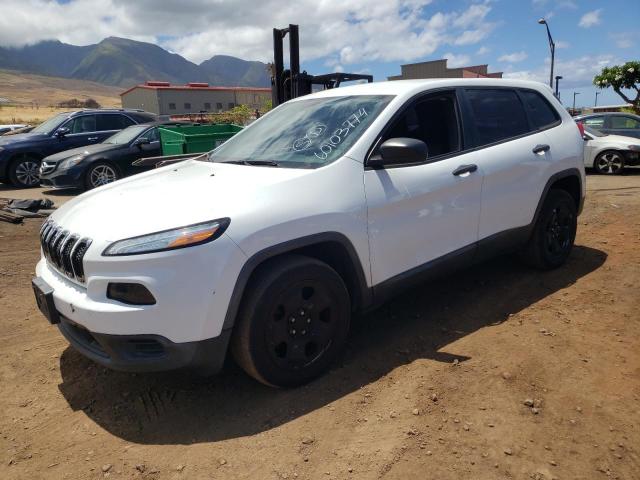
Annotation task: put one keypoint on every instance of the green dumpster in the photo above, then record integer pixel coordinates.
(180, 139)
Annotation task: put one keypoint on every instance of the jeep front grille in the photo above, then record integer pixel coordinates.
(64, 250)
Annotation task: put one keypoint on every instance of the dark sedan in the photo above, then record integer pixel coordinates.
(95, 165)
(613, 123)
(20, 154)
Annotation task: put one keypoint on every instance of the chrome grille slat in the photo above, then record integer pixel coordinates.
(63, 250)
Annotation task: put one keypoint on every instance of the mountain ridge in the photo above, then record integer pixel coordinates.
(124, 62)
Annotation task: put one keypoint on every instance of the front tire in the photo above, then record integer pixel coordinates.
(99, 174)
(24, 172)
(554, 232)
(293, 321)
(609, 163)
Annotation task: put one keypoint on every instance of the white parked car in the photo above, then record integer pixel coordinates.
(610, 154)
(11, 127)
(326, 206)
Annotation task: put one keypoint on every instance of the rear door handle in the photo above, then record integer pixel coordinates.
(541, 148)
(462, 169)
(91, 139)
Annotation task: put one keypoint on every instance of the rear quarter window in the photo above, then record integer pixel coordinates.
(541, 114)
(497, 114)
(594, 122)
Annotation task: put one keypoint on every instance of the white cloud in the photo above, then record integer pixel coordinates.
(561, 44)
(513, 57)
(351, 32)
(577, 72)
(625, 39)
(590, 19)
(483, 50)
(454, 61)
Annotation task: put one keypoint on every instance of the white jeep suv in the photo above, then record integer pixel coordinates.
(324, 207)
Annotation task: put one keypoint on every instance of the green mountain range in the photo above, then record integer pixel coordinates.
(123, 62)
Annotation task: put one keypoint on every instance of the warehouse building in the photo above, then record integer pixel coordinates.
(163, 98)
(439, 69)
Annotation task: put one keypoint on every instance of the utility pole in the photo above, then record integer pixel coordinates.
(552, 47)
(574, 102)
(558, 78)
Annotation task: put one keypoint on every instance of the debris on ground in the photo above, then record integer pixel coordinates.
(16, 210)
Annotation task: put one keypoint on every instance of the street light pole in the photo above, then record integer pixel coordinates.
(574, 101)
(558, 78)
(552, 47)
(596, 102)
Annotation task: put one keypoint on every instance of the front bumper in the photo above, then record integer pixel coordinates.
(632, 158)
(146, 353)
(70, 178)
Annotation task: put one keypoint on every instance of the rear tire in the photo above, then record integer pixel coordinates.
(293, 321)
(554, 232)
(24, 172)
(99, 174)
(610, 162)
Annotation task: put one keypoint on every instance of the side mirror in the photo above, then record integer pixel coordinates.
(398, 151)
(62, 132)
(584, 137)
(141, 141)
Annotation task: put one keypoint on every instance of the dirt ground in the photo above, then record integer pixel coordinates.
(432, 386)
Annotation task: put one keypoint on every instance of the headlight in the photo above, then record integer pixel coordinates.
(182, 237)
(634, 148)
(70, 162)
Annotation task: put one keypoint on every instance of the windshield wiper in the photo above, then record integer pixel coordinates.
(268, 163)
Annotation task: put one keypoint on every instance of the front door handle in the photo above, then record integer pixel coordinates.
(92, 139)
(462, 169)
(541, 148)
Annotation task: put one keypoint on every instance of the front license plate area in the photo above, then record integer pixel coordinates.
(44, 298)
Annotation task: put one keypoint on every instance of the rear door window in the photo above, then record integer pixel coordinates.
(112, 121)
(622, 122)
(82, 124)
(541, 114)
(498, 114)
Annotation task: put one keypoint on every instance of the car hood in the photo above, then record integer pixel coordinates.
(171, 197)
(8, 140)
(86, 150)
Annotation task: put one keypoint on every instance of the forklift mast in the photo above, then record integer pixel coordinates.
(291, 83)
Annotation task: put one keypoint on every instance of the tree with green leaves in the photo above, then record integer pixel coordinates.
(621, 77)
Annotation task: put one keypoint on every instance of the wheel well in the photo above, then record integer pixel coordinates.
(20, 156)
(106, 162)
(336, 255)
(571, 185)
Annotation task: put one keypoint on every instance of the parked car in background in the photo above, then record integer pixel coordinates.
(327, 205)
(613, 123)
(25, 129)
(21, 154)
(609, 154)
(95, 165)
(10, 128)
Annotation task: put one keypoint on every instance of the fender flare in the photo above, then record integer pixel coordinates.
(570, 172)
(363, 291)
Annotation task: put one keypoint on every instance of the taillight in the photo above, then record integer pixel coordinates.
(580, 128)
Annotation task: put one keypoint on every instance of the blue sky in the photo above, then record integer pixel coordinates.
(518, 45)
(370, 36)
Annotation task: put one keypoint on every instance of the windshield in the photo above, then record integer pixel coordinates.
(127, 135)
(593, 132)
(48, 126)
(305, 134)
